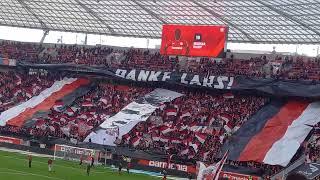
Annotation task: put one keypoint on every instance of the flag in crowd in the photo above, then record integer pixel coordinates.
(211, 172)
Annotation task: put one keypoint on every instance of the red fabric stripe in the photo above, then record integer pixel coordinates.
(47, 103)
(273, 130)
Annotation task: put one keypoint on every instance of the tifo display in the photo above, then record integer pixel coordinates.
(159, 89)
(147, 111)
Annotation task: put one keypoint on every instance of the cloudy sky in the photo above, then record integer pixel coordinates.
(32, 35)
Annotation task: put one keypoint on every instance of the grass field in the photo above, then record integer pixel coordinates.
(14, 166)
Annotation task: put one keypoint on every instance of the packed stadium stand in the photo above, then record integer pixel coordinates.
(192, 101)
(193, 127)
(75, 121)
(294, 68)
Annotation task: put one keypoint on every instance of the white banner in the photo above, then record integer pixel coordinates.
(34, 101)
(135, 112)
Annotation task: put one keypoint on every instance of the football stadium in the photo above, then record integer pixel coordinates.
(159, 89)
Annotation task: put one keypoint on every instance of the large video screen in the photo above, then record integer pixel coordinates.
(187, 40)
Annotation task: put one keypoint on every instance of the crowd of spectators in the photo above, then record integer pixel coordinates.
(75, 54)
(141, 59)
(229, 67)
(74, 121)
(201, 120)
(86, 112)
(19, 87)
(295, 68)
(304, 69)
(194, 126)
(268, 170)
(313, 146)
(19, 51)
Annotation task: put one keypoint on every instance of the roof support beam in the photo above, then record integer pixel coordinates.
(45, 33)
(43, 25)
(288, 16)
(216, 15)
(86, 39)
(96, 16)
(150, 12)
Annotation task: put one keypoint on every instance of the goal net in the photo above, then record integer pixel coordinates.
(75, 153)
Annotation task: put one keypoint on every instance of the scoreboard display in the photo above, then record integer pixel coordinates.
(189, 40)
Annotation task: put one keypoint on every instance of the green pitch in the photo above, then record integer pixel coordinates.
(14, 166)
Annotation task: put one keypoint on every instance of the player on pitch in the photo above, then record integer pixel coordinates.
(88, 169)
(30, 160)
(128, 167)
(81, 160)
(50, 162)
(92, 160)
(120, 168)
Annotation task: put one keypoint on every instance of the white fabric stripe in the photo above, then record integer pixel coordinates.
(284, 149)
(34, 101)
(130, 116)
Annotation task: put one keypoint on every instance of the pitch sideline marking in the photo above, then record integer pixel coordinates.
(24, 152)
(27, 173)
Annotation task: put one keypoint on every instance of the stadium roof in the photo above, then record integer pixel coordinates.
(253, 21)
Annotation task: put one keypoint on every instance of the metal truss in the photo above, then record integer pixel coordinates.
(254, 21)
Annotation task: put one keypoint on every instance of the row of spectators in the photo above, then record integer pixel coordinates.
(301, 69)
(267, 170)
(287, 68)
